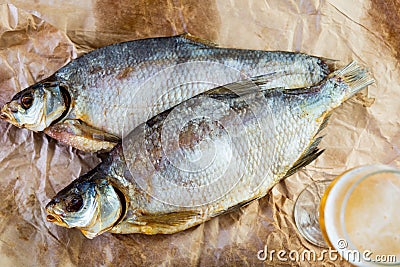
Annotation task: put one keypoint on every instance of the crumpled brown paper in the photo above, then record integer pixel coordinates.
(34, 167)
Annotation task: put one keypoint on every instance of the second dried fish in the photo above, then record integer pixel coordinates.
(91, 102)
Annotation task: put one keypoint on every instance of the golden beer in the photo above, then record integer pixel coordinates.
(360, 215)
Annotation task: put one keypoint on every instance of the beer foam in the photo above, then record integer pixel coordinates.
(372, 216)
(361, 212)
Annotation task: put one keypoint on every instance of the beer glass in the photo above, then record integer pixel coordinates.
(357, 214)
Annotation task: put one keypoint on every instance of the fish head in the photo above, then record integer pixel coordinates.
(92, 205)
(37, 106)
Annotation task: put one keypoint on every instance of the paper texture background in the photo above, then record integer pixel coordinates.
(38, 37)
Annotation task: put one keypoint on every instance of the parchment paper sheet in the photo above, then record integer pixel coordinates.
(38, 37)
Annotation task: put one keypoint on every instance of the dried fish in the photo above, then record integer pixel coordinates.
(206, 156)
(85, 104)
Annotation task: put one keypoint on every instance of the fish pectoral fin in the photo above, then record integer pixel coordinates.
(81, 128)
(197, 40)
(159, 223)
(166, 219)
(82, 136)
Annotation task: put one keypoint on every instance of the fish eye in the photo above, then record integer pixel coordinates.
(27, 100)
(74, 203)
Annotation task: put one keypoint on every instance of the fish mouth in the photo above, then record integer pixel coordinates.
(52, 218)
(6, 116)
(56, 219)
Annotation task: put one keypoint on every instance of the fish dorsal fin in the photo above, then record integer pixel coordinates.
(243, 87)
(197, 40)
(301, 91)
(235, 89)
(310, 154)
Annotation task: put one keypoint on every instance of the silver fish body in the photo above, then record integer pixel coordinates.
(206, 156)
(98, 98)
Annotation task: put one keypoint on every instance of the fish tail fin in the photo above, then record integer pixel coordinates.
(355, 76)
